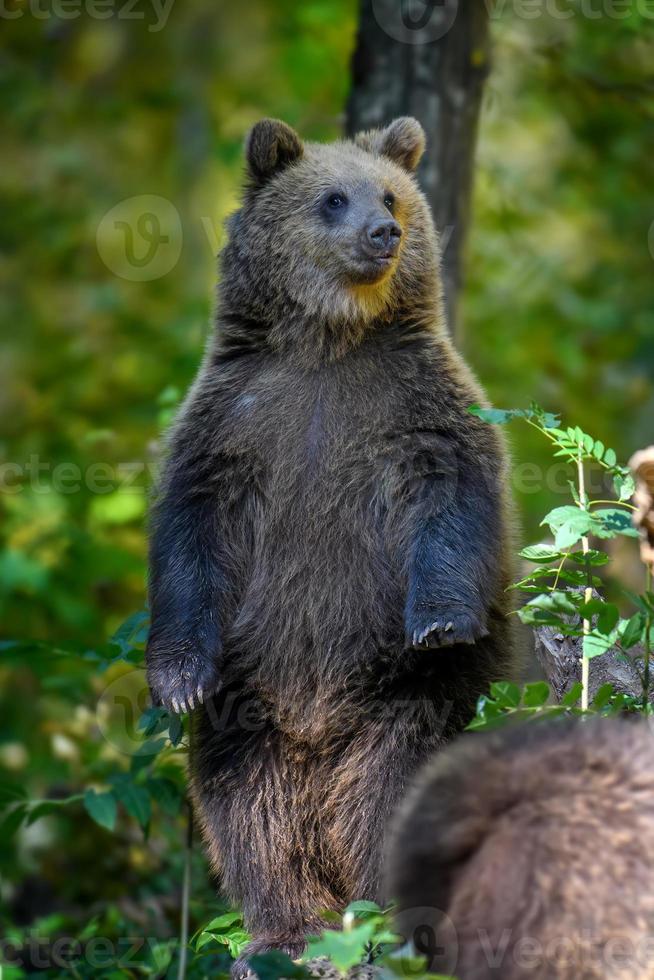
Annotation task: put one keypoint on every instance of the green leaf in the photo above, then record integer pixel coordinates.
(577, 577)
(540, 553)
(598, 449)
(145, 753)
(362, 909)
(166, 793)
(505, 693)
(535, 694)
(614, 521)
(592, 557)
(101, 807)
(624, 485)
(276, 965)
(224, 922)
(575, 493)
(533, 616)
(47, 807)
(571, 697)
(610, 458)
(487, 708)
(135, 799)
(557, 601)
(404, 963)
(608, 618)
(344, 949)
(595, 644)
(11, 793)
(632, 631)
(496, 416)
(568, 524)
(153, 721)
(175, 729)
(236, 940)
(603, 695)
(12, 821)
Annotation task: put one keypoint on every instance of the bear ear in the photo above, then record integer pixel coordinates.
(271, 145)
(403, 142)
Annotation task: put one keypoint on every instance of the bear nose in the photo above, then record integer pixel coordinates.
(385, 235)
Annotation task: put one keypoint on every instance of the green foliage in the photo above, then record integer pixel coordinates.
(224, 930)
(535, 702)
(566, 597)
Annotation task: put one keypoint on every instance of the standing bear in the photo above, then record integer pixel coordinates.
(329, 551)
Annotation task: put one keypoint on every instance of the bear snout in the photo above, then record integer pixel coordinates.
(382, 238)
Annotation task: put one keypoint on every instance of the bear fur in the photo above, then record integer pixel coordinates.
(530, 854)
(329, 548)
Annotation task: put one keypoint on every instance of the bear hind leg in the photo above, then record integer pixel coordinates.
(260, 820)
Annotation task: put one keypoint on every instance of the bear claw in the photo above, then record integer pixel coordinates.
(173, 689)
(464, 628)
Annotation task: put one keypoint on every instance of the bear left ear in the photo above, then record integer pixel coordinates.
(270, 147)
(403, 142)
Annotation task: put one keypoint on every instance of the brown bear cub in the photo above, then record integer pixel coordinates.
(530, 854)
(329, 549)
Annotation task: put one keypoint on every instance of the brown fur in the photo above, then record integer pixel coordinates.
(328, 499)
(530, 854)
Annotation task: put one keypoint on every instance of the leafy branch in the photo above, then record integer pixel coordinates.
(564, 591)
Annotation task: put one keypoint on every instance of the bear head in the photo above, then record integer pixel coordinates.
(339, 234)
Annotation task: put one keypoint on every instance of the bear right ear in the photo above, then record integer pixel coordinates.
(271, 146)
(403, 142)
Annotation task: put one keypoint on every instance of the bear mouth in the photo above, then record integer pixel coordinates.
(372, 268)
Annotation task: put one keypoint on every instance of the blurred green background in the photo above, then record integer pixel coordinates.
(558, 307)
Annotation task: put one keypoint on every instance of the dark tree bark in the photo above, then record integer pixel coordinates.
(560, 658)
(428, 59)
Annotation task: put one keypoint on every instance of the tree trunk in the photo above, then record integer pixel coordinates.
(428, 59)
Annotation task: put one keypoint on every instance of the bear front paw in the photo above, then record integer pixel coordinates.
(183, 684)
(444, 628)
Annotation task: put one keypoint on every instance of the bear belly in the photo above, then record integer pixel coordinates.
(325, 591)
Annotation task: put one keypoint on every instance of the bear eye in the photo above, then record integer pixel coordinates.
(389, 200)
(336, 200)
